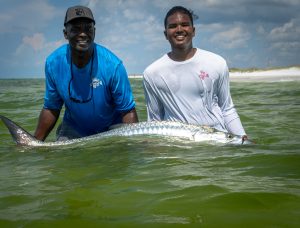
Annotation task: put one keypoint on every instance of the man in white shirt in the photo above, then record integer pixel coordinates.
(189, 84)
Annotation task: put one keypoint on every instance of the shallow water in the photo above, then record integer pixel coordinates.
(152, 181)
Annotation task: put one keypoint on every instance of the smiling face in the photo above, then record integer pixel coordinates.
(180, 31)
(81, 34)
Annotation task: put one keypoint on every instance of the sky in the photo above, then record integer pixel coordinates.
(247, 33)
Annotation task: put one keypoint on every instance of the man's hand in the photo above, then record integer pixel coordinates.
(244, 138)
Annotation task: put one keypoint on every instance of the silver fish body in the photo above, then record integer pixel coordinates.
(190, 132)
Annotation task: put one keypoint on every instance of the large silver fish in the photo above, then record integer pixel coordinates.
(163, 128)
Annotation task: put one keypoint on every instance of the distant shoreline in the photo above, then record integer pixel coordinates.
(270, 75)
(235, 75)
(284, 74)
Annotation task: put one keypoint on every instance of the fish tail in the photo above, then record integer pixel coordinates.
(19, 135)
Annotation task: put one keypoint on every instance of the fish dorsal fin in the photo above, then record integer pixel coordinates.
(19, 135)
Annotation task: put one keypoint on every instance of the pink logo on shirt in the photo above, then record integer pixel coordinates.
(203, 75)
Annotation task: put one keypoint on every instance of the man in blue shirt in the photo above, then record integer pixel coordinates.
(88, 79)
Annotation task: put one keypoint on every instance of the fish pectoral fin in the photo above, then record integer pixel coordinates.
(19, 135)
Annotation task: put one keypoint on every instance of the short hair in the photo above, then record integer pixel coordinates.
(180, 9)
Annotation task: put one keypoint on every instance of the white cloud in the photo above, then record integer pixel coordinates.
(285, 40)
(133, 15)
(288, 31)
(37, 47)
(260, 30)
(286, 49)
(91, 4)
(190, 4)
(37, 41)
(234, 37)
(27, 16)
(143, 31)
(213, 27)
(286, 46)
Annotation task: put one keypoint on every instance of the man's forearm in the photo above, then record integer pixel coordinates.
(47, 121)
(130, 117)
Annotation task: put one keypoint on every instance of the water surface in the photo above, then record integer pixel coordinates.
(152, 181)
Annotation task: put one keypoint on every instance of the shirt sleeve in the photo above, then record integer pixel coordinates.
(155, 110)
(121, 90)
(52, 99)
(231, 118)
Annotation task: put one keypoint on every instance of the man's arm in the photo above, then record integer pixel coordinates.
(130, 117)
(47, 121)
(155, 109)
(231, 118)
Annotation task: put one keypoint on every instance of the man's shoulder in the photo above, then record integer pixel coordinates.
(212, 62)
(106, 54)
(156, 65)
(58, 53)
(211, 56)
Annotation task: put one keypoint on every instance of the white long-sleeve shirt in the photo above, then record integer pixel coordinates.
(194, 91)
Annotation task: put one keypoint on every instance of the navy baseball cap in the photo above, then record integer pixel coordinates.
(75, 12)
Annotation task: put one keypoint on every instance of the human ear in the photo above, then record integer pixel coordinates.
(65, 34)
(165, 32)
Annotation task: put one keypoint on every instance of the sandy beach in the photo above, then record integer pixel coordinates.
(285, 74)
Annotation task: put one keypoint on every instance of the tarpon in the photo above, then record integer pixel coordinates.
(184, 131)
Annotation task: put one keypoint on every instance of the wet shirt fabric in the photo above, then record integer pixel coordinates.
(102, 85)
(194, 91)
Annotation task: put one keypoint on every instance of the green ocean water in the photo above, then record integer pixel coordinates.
(156, 182)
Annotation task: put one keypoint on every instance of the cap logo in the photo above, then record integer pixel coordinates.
(79, 12)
